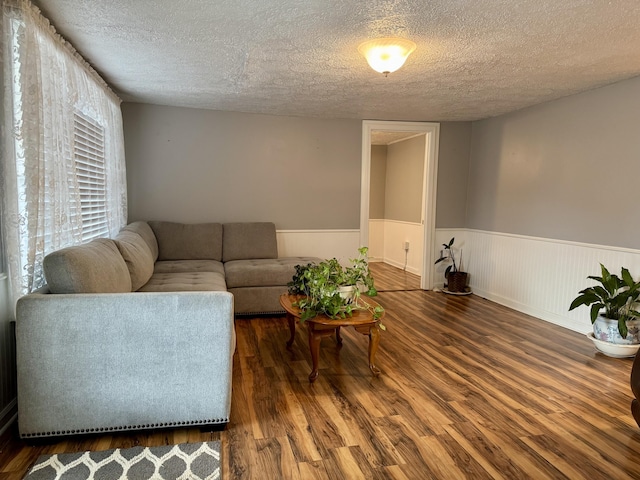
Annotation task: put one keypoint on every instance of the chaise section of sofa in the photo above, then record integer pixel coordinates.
(102, 362)
(95, 356)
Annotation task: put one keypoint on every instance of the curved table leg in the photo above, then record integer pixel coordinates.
(635, 410)
(314, 346)
(374, 340)
(292, 329)
(338, 337)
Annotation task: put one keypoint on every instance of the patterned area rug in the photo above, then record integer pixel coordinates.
(187, 461)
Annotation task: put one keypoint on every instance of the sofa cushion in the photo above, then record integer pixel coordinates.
(185, 282)
(243, 241)
(144, 230)
(137, 256)
(182, 266)
(263, 272)
(182, 241)
(95, 267)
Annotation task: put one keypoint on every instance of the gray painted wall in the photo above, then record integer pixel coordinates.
(405, 180)
(193, 165)
(565, 170)
(196, 165)
(377, 181)
(453, 174)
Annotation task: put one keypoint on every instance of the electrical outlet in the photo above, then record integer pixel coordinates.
(406, 246)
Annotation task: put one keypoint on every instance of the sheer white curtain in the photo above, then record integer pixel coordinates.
(46, 83)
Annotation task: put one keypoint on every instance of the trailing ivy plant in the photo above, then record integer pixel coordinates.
(318, 286)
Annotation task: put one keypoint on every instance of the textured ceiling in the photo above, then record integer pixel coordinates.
(474, 58)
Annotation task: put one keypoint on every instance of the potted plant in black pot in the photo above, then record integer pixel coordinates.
(614, 312)
(456, 279)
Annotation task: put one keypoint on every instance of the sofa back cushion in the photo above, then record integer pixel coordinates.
(182, 241)
(137, 256)
(250, 240)
(95, 267)
(144, 230)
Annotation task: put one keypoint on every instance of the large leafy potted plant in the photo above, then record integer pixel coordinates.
(614, 304)
(320, 286)
(456, 279)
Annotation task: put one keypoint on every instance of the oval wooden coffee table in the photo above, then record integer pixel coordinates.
(322, 326)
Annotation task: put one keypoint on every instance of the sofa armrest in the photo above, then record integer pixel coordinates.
(120, 361)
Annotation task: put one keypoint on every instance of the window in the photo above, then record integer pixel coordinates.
(88, 153)
(62, 160)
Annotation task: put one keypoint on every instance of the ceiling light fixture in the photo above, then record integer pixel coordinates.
(386, 55)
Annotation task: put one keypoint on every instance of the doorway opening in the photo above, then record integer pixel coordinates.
(423, 136)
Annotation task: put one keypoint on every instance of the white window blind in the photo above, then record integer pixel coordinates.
(88, 149)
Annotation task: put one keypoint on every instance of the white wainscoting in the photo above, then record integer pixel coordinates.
(376, 240)
(536, 276)
(386, 244)
(341, 244)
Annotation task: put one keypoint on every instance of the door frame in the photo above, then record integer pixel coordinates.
(432, 137)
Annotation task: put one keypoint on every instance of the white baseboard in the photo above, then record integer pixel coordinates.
(401, 266)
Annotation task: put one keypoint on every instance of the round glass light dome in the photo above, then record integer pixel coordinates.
(386, 55)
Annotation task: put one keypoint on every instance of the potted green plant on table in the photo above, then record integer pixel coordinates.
(321, 288)
(614, 310)
(456, 279)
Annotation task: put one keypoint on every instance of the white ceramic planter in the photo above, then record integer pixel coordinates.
(606, 330)
(347, 292)
(614, 349)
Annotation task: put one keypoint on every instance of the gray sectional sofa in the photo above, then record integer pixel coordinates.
(138, 331)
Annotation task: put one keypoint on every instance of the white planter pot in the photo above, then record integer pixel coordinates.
(606, 330)
(614, 349)
(347, 292)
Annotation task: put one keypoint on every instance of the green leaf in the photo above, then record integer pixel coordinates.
(601, 293)
(611, 283)
(586, 298)
(307, 314)
(622, 328)
(595, 310)
(627, 278)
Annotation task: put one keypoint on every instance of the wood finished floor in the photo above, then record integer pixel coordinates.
(468, 389)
